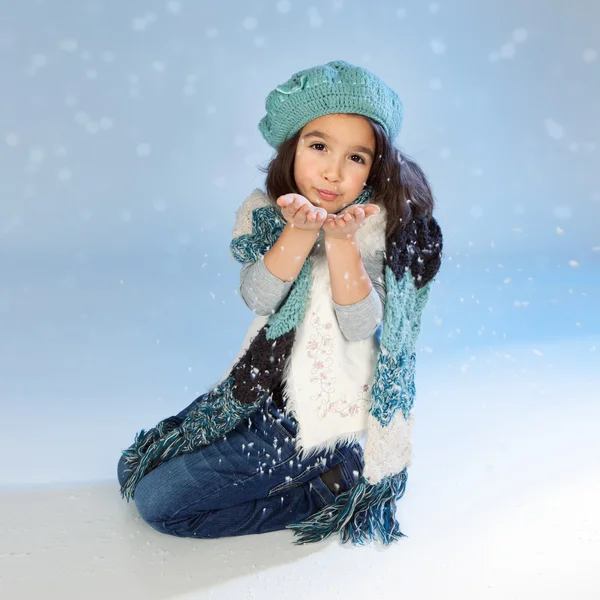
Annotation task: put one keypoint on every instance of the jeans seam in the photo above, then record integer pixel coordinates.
(325, 501)
(162, 526)
(282, 429)
(294, 482)
(320, 496)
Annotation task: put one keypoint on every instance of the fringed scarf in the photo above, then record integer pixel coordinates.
(366, 512)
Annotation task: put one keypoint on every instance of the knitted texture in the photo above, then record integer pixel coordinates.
(367, 511)
(336, 87)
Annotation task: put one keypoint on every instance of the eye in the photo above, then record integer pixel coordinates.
(360, 161)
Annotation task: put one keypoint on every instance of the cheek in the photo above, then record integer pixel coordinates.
(305, 158)
(359, 177)
(305, 166)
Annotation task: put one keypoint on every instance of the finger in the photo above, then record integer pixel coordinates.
(371, 209)
(294, 199)
(300, 210)
(310, 217)
(308, 214)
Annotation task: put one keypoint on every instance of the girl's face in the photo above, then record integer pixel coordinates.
(334, 153)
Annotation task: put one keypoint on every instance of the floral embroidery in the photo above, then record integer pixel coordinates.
(320, 347)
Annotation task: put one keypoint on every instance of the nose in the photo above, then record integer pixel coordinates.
(332, 171)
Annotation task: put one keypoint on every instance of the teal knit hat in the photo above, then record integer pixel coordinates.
(336, 87)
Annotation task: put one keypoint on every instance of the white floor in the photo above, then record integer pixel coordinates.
(502, 503)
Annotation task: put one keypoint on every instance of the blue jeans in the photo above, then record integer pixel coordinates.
(248, 483)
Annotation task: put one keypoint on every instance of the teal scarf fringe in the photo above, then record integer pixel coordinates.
(364, 513)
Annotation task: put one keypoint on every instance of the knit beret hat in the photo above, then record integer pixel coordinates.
(336, 87)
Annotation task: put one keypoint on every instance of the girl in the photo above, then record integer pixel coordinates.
(310, 427)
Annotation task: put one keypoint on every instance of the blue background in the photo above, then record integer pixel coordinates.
(128, 139)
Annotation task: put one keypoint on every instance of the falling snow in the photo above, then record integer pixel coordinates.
(125, 158)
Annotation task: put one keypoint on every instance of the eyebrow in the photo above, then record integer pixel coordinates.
(322, 134)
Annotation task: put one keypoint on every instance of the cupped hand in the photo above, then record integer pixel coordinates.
(347, 223)
(299, 211)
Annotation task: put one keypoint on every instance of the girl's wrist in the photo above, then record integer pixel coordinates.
(348, 238)
(304, 232)
(343, 245)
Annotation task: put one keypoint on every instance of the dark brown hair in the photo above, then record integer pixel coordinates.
(399, 184)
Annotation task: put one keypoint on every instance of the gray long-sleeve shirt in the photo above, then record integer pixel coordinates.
(264, 292)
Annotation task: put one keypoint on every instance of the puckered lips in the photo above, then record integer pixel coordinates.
(327, 194)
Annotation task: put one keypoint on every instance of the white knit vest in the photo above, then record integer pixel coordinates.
(327, 378)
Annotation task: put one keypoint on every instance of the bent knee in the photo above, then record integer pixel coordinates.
(157, 508)
(155, 503)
